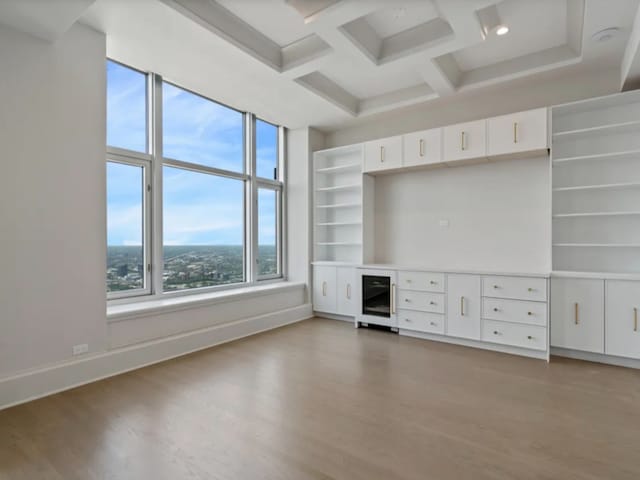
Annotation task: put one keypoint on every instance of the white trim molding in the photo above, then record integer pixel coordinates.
(56, 378)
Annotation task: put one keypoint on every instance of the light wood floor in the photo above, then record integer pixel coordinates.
(321, 400)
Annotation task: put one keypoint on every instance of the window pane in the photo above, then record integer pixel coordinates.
(125, 252)
(267, 232)
(126, 108)
(266, 150)
(201, 131)
(203, 229)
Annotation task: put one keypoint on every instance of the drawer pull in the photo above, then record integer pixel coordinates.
(529, 313)
(530, 289)
(408, 280)
(432, 303)
(421, 147)
(407, 300)
(576, 317)
(529, 337)
(462, 306)
(382, 154)
(496, 332)
(407, 320)
(433, 324)
(496, 286)
(635, 319)
(495, 309)
(515, 132)
(433, 282)
(462, 143)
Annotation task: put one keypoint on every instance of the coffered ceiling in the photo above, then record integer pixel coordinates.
(329, 62)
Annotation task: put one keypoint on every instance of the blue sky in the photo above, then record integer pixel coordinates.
(198, 209)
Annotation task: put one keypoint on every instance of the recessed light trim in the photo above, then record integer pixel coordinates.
(502, 30)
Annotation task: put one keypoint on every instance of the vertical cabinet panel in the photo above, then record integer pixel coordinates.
(517, 132)
(463, 306)
(422, 148)
(383, 154)
(324, 289)
(465, 141)
(577, 314)
(346, 291)
(622, 323)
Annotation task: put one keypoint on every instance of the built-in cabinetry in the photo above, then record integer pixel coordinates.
(595, 289)
(463, 302)
(505, 136)
(334, 289)
(421, 301)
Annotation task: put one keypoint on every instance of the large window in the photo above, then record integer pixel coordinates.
(194, 190)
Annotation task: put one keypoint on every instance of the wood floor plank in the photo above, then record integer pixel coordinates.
(320, 400)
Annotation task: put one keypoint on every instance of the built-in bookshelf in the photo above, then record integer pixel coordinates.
(596, 185)
(339, 205)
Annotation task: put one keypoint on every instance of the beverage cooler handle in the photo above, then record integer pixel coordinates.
(393, 299)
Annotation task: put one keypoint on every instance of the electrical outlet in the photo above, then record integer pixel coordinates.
(80, 349)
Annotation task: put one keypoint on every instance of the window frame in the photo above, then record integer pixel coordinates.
(153, 163)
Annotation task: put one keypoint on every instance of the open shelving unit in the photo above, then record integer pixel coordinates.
(596, 185)
(339, 205)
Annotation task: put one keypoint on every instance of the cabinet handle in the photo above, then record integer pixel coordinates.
(495, 309)
(496, 332)
(407, 320)
(529, 289)
(433, 324)
(432, 282)
(421, 147)
(382, 154)
(462, 306)
(432, 303)
(635, 319)
(407, 300)
(324, 289)
(575, 313)
(529, 337)
(393, 299)
(348, 291)
(529, 313)
(496, 287)
(462, 145)
(515, 132)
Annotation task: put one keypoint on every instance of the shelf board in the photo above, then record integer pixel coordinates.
(339, 244)
(593, 214)
(339, 168)
(337, 224)
(354, 186)
(611, 127)
(598, 245)
(340, 205)
(610, 186)
(598, 156)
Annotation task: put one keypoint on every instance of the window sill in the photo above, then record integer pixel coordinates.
(122, 312)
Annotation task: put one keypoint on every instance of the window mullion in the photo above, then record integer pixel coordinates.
(251, 206)
(155, 122)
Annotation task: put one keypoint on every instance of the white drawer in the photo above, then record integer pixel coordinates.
(421, 321)
(423, 281)
(534, 313)
(520, 288)
(525, 336)
(423, 301)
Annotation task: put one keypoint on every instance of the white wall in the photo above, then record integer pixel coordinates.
(518, 95)
(53, 238)
(499, 217)
(52, 189)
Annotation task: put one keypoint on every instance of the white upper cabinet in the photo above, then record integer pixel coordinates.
(517, 133)
(577, 314)
(622, 323)
(384, 154)
(465, 141)
(422, 148)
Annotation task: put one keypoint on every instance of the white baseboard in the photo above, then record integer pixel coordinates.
(45, 381)
(596, 357)
(494, 347)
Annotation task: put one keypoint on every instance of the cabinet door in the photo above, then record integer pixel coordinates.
(324, 289)
(465, 140)
(577, 314)
(422, 148)
(463, 306)
(518, 132)
(384, 154)
(621, 320)
(346, 291)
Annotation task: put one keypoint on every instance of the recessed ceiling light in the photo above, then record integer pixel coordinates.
(605, 35)
(502, 30)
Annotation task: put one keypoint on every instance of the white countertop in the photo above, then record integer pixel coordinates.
(388, 266)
